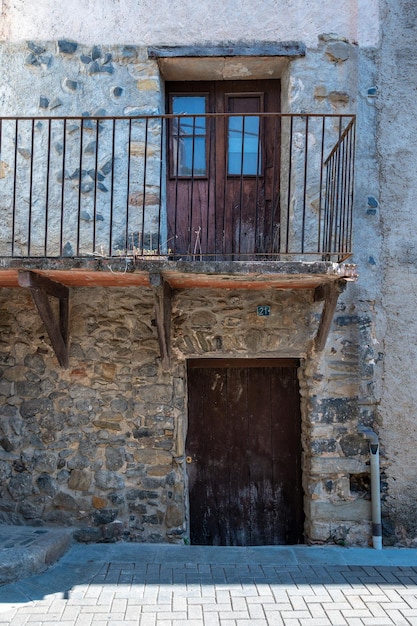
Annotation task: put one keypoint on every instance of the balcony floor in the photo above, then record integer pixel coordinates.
(115, 272)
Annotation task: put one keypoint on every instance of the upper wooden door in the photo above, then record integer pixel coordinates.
(223, 171)
(244, 453)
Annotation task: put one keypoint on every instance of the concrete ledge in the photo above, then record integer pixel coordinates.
(20, 561)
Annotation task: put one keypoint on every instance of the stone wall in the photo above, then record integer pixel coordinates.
(337, 394)
(81, 163)
(96, 444)
(101, 445)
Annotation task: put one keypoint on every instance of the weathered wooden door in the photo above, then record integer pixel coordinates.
(223, 171)
(244, 452)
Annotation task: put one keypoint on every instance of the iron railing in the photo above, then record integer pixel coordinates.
(196, 186)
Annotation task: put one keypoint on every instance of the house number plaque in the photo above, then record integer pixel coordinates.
(263, 310)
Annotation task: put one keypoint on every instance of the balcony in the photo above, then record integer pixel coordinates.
(82, 186)
(217, 194)
(242, 201)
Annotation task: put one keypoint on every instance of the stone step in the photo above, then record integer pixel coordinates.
(26, 550)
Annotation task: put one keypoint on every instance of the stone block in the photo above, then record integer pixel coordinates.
(20, 486)
(115, 458)
(339, 98)
(45, 461)
(355, 511)
(80, 480)
(47, 485)
(108, 480)
(5, 471)
(36, 406)
(104, 516)
(108, 424)
(87, 535)
(65, 502)
(338, 51)
(79, 461)
(174, 516)
(159, 470)
(327, 466)
(354, 444)
(67, 47)
(351, 534)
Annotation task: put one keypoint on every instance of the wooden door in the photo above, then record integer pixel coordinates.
(223, 171)
(244, 452)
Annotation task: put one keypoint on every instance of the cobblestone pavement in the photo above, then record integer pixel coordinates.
(146, 585)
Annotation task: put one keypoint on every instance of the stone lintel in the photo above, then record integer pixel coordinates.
(262, 48)
(235, 61)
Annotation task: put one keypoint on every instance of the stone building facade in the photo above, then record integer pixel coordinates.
(101, 445)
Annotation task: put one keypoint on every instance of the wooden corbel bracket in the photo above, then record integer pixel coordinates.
(163, 312)
(40, 288)
(329, 293)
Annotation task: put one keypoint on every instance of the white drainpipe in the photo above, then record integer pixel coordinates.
(375, 486)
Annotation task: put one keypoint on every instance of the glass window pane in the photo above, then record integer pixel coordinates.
(188, 104)
(193, 105)
(191, 125)
(189, 136)
(189, 150)
(243, 135)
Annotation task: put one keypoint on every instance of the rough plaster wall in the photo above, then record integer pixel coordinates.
(397, 125)
(187, 22)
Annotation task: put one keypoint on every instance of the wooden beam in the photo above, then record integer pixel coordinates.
(163, 314)
(32, 280)
(40, 288)
(319, 293)
(330, 293)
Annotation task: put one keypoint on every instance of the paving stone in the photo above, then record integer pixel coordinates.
(96, 586)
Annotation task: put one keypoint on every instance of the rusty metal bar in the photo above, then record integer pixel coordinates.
(290, 161)
(282, 218)
(145, 163)
(161, 244)
(32, 133)
(64, 144)
(209, 198)
(129, 154)
(177, 159)
(190, 214)
(80, 180)
(48, 173)
(242, 148)
(275, 202)
(95, 184)
(323, 130)
(303, 222)
(261, 244)
(112, 188)
(14, 185)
